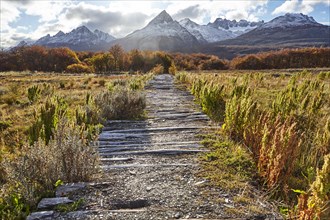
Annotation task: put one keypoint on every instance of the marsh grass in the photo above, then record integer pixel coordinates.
(281, 119)
(21, 113)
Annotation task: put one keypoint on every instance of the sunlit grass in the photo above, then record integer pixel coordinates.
(281, 119)
(16, 109)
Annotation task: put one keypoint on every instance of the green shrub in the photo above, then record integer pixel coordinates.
(314, 204)
(34, 93)
(212, 101)
(88, 117)
(67, 157)
(121, 103)
(12, 205)
(136, 83)
(46, 121)
(240, 113)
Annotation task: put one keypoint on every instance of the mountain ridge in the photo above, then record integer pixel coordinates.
(165, 33)
(284, 28)
(77, 39)
(205, 33)
(237, 28)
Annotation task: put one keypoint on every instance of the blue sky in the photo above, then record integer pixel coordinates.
(32, 19)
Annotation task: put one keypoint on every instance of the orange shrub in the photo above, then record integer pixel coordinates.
(78, 68)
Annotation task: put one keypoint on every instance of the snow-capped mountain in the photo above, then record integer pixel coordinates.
(162, 33)
(236, 28)
(289, 30)
(290, 20)
(204, 33)
(286, 29)
(104, 36)
(80, 38)
(77, 36)
(24, 43)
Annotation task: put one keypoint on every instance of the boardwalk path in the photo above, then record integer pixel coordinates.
(150, 166)
(152, 163)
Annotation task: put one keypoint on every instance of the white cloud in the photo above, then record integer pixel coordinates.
(9, 13)
(46, 10)
(215, 9)
(119, 18)
(295, 6)
(287, 6)
(116, 22)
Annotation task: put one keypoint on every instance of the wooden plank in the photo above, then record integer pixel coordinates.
(109, 130)
(116, 159)
(154, 152)
(192, 144)
(125, 166)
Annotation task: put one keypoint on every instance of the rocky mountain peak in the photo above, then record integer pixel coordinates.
(187, 22)
(22, 44)
(103, 36)
(97, 31)
(163, 17)
(291, 20)
(299, 17)
(81, 29)
(228, 24)
(59, 34)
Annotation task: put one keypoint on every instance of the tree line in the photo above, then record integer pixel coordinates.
(284, 59)
(38, 58)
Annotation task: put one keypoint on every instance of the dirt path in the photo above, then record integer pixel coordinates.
(150, 166)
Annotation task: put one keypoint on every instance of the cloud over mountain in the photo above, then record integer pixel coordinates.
(191, 12)
(114, 22)
(33, 18)
(299, 6)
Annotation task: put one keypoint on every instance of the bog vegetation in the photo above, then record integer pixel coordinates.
(48, 125)
(283, 122)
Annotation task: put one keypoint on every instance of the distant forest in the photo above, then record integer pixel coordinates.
(38, 58)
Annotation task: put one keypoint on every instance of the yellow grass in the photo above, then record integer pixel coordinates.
(73, 87)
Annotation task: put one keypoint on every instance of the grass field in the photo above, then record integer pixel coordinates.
(17, 111)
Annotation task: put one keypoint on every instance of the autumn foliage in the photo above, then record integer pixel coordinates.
(198, 62)
(38, 58)
(283, 59)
